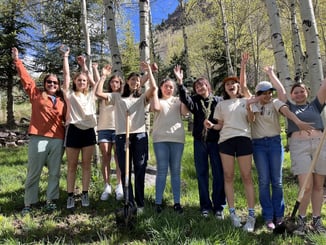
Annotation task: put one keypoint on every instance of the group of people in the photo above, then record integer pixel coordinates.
(234, 127)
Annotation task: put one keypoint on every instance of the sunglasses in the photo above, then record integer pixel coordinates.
(50, 82)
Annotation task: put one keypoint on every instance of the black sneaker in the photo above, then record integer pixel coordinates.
(317, 225)
(177, 208)
(159, 208)
(26, 210)
(50, 206)
(301, 229)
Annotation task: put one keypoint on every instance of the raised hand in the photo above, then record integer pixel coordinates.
(178, 72)
(106, 70)
(14, 53)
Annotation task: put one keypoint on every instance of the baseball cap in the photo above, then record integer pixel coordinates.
(264, 86)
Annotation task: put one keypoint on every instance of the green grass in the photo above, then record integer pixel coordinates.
(97, 224)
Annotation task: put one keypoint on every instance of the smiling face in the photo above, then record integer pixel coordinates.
(80, 83)
(51, 84)
(299, 94)
(134, 83)
(265, 97)
(232, 88)
(167, 89)
(202, 87)
(115, 84)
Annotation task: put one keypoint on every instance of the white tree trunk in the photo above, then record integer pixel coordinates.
(226, 40)
(298, 56)
(312, 45)
(280, 55)
(109, 7)
(86, 34)
(144, 30)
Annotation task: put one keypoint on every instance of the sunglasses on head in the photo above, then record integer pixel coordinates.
(50, 82)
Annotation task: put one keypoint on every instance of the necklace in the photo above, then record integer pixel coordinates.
(207, 112)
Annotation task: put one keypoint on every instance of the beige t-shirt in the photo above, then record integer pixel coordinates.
(136, 109)
(81, 109)
(233, 113)
(168, 124)
(267, 120)
(106, 118)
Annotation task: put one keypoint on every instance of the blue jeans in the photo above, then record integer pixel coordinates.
(168, 155)
(268, 156)
(203, 151)
(138, 153)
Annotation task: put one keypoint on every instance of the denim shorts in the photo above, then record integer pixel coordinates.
(106, 136)
(236, 146)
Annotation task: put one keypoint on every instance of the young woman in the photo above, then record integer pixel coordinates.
(133, 102)
(168, 139)
(234, 116)
(202, 106)
(302, 145)
(46, 132)
(268, 150)
(80, 124)
(106, 135)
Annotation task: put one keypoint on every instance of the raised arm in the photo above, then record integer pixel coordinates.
(281, 93)
(184, 97)
(106, 71)
(81, 60)
(243, 75)
(66, 72)
(96, 72)
(152, 84)
(321, 94)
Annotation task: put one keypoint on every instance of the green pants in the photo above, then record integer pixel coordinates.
(43, 151)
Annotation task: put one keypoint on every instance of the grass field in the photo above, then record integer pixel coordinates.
(97, 224)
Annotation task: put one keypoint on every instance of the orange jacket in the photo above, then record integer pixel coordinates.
(46, 119)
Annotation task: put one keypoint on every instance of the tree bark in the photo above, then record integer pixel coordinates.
(112, 37)
(281, 59)
(312, 45)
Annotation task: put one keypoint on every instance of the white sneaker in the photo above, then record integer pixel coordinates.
(107, 191)
(85, 200)
(70, 202)
(235, 220)
(119, 192)
(250, 225)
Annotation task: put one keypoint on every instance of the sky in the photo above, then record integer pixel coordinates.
(160, 10)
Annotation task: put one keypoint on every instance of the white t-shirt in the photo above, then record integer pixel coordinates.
(267, 120)
(168, 124)
(233, 113)
(81, 109)
(106, 120)
(136, 109)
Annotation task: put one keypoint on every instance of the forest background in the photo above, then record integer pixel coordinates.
(207, 37)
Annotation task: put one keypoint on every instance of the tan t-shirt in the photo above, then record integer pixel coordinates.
(233, 113)
(81, 109)
(168, 124)
(106, 118)
(136, 108)
(267, 120)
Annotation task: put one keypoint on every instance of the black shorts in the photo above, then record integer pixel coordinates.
(78, 138)
(236, 146)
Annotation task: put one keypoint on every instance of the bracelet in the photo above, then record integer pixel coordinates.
(65, 56)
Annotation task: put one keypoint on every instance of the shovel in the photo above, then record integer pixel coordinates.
(289, 225)
(128, 210)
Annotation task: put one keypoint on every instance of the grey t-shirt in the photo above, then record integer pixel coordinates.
(308, 113)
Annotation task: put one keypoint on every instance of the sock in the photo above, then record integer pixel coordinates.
(232, 210)
(251, 212)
